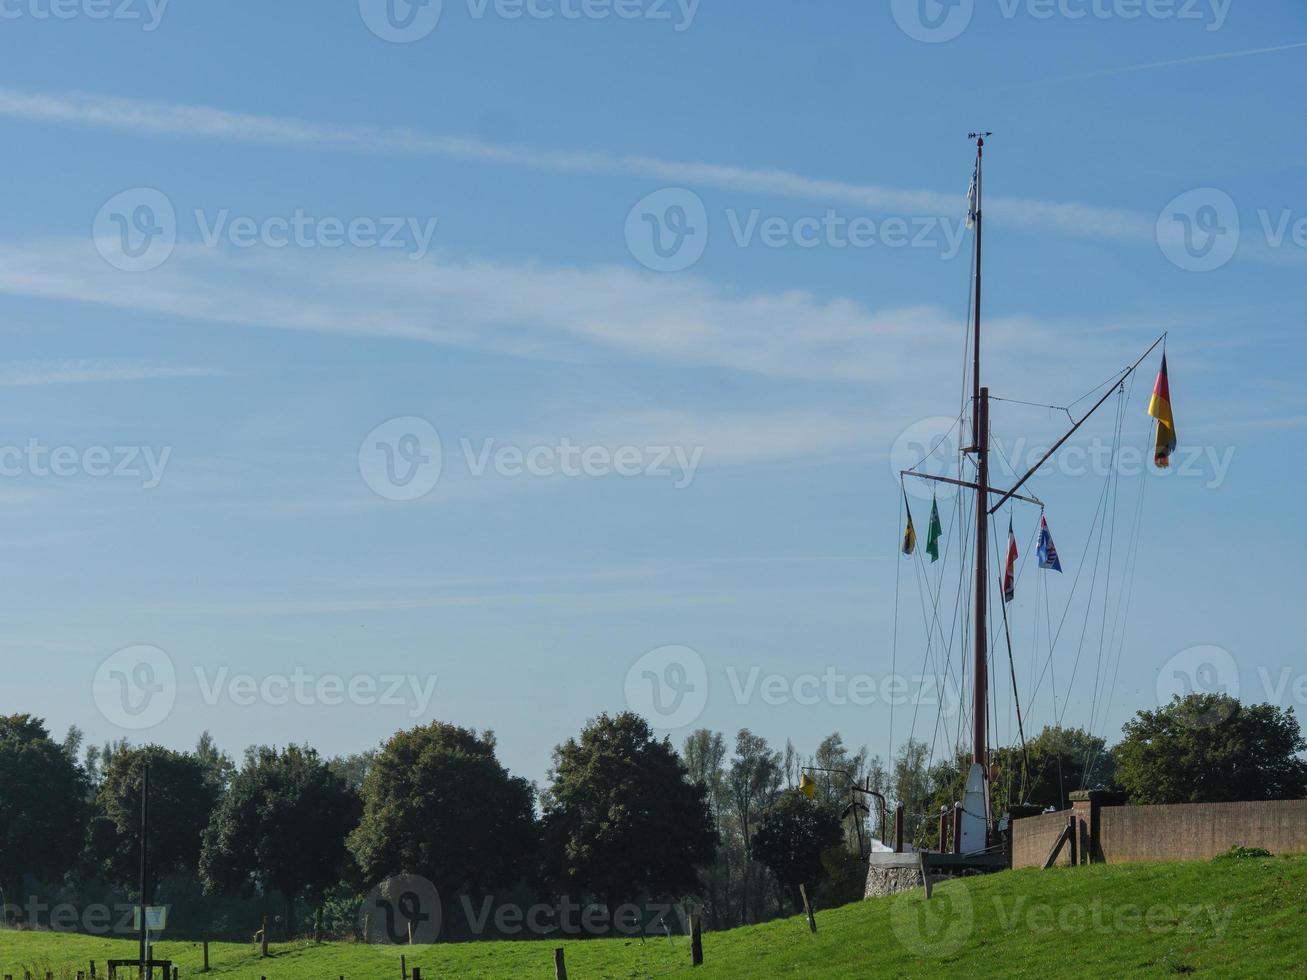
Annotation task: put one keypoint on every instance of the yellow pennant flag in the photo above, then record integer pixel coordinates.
(1160, 409)
(909, 534)
(808, 786)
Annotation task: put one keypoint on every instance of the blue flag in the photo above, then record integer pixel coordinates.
(1047, 550)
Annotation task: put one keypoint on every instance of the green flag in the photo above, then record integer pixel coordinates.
(934, 533)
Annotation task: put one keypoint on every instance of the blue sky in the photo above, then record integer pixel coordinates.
(489, 177)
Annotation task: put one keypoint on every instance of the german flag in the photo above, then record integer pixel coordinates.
(1160, 409)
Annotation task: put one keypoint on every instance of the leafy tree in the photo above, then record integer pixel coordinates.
(217, 764)
(1061, 760)
(42, 804)
(353, 768)
(754, 781)
(833, 787)
(622, 815)
(438, 803)
(96, 761)
(791, 838)
(1210, 748)
(704, 752)
(182, 798)
(281, 826)
(911, 786)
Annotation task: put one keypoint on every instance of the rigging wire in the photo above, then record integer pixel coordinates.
(1007, 633)
(1124, 603)
(1109, 531)
(894, 644)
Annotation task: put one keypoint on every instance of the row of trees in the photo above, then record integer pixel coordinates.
(624, 817)
(621, 820)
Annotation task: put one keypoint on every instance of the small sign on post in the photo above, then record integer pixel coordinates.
(156, 918)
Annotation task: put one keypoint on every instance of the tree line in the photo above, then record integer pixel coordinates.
(624, 818)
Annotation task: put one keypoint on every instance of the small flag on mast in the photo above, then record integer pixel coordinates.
(934, 533)
(1160, 409)
(1047, 550)
(910, 532)
(1010, 572)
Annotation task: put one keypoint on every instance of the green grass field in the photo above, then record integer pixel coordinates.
(1223, 918)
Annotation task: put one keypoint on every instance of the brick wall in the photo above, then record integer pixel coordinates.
(1033, 838)
(1186, 832)
(1202, 830)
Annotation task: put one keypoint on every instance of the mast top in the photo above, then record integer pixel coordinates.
(978, 137)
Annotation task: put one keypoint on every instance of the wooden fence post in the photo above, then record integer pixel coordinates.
(696, 938)
(807, 907)
(560, 964)
(417, 973)
(403, 967)
(206, 956)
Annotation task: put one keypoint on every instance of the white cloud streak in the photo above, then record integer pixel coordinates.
(531, 310)
(203, 122)
(27, 374)
(1178, 62)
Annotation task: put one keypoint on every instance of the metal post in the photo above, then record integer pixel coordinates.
(144, 898)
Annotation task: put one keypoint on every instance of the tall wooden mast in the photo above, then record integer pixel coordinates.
(980, 446)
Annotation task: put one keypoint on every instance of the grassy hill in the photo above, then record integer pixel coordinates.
(1222, 918)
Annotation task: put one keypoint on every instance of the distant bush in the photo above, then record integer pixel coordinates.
(1238, 852)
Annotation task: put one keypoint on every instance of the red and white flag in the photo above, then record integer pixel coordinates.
(1010, 572)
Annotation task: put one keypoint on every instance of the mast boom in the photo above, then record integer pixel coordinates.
(967, 485)
(1009, 495)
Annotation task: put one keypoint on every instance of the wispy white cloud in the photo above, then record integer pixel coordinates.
(24, 374)
(204, 122)
(1177, 62)
(529, 309)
